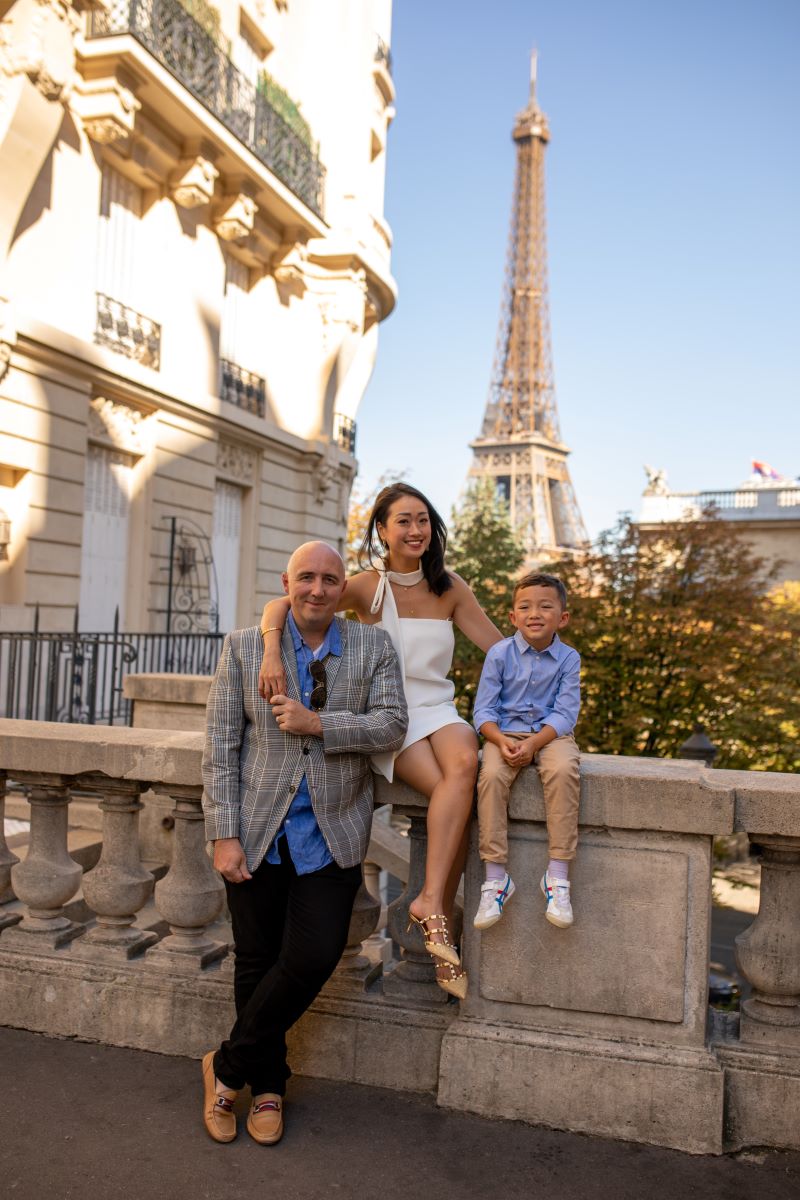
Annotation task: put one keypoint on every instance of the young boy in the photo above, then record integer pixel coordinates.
(526, 708)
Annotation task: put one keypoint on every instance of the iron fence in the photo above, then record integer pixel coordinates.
(77, 677)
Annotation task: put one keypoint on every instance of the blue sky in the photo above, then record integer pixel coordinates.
(673, 194)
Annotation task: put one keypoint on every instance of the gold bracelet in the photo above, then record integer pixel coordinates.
(272, 629)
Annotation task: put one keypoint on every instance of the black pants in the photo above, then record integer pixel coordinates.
(289, 932)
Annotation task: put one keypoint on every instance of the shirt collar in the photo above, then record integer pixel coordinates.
(332, 643)
(552, 649)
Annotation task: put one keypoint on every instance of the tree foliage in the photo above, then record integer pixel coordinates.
(678, 627)
(484, 550)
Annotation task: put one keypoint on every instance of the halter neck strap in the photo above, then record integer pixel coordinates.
(385, 576)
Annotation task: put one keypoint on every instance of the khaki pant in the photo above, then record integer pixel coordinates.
(559, 770)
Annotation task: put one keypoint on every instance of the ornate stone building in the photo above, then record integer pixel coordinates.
(193, 267)
(766, 510)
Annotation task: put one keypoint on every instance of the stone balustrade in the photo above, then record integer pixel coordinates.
(602, 1028)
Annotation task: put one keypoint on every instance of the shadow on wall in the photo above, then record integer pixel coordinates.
(40, 197)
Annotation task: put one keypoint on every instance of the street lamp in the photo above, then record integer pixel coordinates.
(699, 747)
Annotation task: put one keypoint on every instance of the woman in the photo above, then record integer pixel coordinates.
(409, 592)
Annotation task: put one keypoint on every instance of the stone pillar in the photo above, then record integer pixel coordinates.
(768, 952)
(7, 861)
(414, 977)
(119, 885)
(48, 877)
(191, 894)
(377, 947)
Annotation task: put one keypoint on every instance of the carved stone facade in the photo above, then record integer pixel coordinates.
(208, 317)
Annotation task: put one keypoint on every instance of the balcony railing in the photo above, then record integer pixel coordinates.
(181, 45)
(742, 504)
(127, 332)
(344, 432)
(242, 388)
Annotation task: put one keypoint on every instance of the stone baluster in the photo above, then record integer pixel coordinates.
(768, 952)
(191, 894)
(48, 877)
(355, 970)
(119, 886)
(414, 977)
(377, 947)
(7, 860)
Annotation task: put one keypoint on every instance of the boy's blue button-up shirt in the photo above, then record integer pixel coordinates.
(522, 689)
(307, 846)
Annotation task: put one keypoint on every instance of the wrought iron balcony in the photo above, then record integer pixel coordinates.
(127, 332)
(180, 44)
(242, 388)
(344, 432)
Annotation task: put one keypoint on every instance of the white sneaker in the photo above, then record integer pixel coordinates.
(494, 894)
(559, 908)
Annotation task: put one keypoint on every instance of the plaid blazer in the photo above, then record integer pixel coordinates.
(251, 769)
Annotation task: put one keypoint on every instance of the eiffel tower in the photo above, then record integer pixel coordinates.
(520, 445)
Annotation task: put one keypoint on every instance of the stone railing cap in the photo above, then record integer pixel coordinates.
(148, 755)
(168, 689)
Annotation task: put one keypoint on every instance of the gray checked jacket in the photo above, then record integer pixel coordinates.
(251, 769)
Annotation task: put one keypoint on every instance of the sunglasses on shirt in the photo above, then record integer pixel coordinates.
(319, 692)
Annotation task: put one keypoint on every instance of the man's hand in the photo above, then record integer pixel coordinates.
(230, 861)
(293, 717)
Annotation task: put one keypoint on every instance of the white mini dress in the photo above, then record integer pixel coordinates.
(424, 647)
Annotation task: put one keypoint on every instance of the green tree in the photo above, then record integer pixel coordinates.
(678, 626)
(484, 550)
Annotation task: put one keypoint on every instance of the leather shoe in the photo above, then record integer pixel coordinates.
(265, 1119)
(218, 1115)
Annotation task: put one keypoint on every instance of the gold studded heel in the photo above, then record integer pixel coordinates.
(442, 950)
(453, 982)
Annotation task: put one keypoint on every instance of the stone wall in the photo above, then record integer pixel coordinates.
(602, 1028)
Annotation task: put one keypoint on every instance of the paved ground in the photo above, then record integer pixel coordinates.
(100, 1123)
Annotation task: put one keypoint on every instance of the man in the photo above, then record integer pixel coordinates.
(288, 805)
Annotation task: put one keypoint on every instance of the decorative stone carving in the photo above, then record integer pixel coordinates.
(119, 885)
(127, 427)
(37, 42)
(106, 107)
(656, 481)
(192, 183)
(768, 951)
(7, 861)
(234, 216)
(290, 262)
(190, 895)
(238, 462)
(48, 877)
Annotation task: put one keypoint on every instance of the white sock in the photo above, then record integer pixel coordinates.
(557, 869)
(494, 871)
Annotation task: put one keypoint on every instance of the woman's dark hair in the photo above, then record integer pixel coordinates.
(433, 567)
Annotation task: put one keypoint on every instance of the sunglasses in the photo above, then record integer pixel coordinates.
(319, 692)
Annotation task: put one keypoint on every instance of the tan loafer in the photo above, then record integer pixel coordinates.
(265, 1119)
(218, 1115)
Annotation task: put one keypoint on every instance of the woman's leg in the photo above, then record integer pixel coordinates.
(442, 767)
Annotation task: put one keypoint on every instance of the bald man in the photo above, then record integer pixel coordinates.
(288, 806)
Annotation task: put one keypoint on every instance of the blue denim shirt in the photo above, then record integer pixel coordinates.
(522, 689)
(307, 846)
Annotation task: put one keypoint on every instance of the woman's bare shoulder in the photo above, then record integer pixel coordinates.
(460, 586)
(359, 593)
(362, 583)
